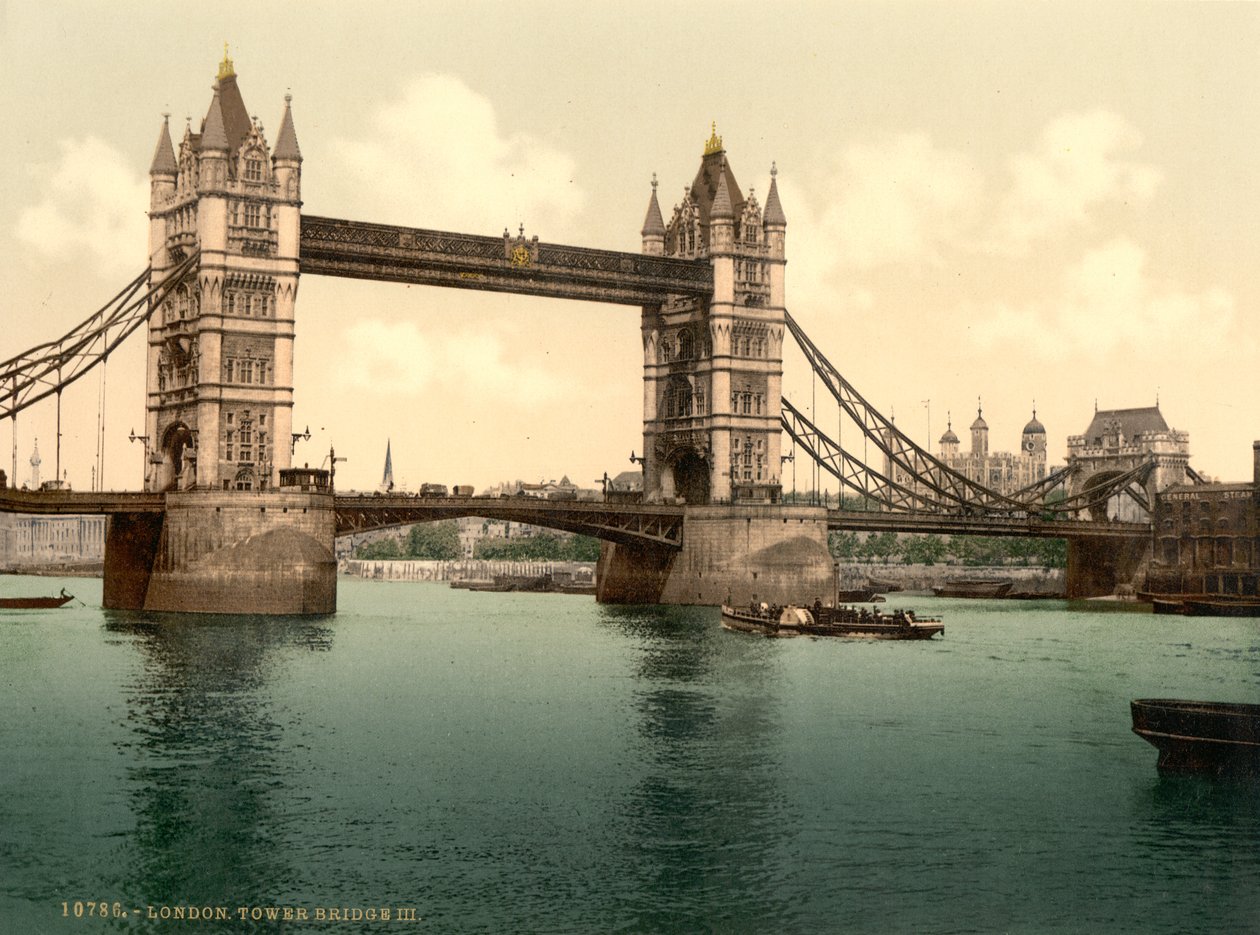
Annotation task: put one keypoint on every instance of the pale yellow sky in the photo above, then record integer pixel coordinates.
(1014, 201)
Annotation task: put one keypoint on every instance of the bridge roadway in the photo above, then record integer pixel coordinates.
(626, 523)
(940, 524)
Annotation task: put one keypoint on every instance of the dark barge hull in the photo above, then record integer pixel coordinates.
(29, 603)
(1200, 736)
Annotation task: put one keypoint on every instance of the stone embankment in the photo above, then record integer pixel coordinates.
(924, 577)
(460, 569)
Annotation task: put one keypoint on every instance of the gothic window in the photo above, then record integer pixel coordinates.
(747, 403)
(665, 349)
(230, 437)
(685, 345)
(253, 168)
(253, 216)
(758, 401)
(246, 371)
(699, 400)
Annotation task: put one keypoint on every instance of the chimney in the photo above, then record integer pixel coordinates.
(1255, 465)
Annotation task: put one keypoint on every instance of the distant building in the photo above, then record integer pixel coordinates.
(51, 540)
(1003, 471)
(1207, 537)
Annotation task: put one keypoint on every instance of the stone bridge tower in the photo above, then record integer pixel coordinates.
(1119, 440)
(220, 355)
(713, 370)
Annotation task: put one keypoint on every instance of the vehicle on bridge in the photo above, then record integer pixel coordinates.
(462, 490)
(433, 490)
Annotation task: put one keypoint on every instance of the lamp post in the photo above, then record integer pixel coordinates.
(299, 437)
(791, 457)
(133, 437)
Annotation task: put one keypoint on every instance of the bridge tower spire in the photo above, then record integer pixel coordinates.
(713, 369)
(220, 361)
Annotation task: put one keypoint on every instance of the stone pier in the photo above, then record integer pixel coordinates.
(737, 553)
(225, 552)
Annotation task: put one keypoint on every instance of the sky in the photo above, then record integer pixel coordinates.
(1049, 204)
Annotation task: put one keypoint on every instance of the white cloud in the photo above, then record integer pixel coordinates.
(91, 202)
(1077, 167)
(399, 360)
(1109, 304)
(436, 157)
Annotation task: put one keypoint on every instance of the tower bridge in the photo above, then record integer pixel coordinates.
(223, 526)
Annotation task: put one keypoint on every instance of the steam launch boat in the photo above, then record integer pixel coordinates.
(1200, 736)
(831, 621)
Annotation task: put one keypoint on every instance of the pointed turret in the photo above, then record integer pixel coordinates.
(286, 142)
(774, 208)
(653, 226)
(164, 153)
(213, 136)
(722, 210)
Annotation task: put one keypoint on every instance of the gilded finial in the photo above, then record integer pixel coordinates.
(653, 181)
(715, 142)
(774, 169)
(225, 67)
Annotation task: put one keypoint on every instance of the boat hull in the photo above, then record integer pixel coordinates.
(34, 603)
(964, 588)
(1235, 608)
(1200, 736)
(749, 623)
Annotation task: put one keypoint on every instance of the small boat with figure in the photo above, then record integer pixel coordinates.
(35, 603)
(843, 621)
(1200, 736)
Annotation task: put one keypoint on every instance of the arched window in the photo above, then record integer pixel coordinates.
(685, 345)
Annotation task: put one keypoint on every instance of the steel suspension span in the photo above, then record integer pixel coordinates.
(915, 480)
(48, 368)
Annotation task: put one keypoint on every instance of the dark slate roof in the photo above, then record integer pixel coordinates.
(236, 122)
(286, 142)
(979, 423)
(721, 207)
(705, 187)
(949, 437)
(653, 223)
(1034, 427)
(213, 135)
(1133, 422)
(774, 208)
(164, 154)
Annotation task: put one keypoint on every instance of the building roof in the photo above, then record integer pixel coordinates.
(653, 223)
(213, 135)
(704, 189)
(1034, 427)
(721, 208)
(627, 480)
(774, 208)
(236, 122)
(949, 438)
(1133, 422)
(979, 423)
(164, 153)
(286, 142)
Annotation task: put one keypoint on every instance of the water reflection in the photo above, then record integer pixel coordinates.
(207, 779)
(704, 828)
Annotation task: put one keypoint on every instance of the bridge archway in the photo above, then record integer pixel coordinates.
(691, 477)
(177, 469)
(1116, 507)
